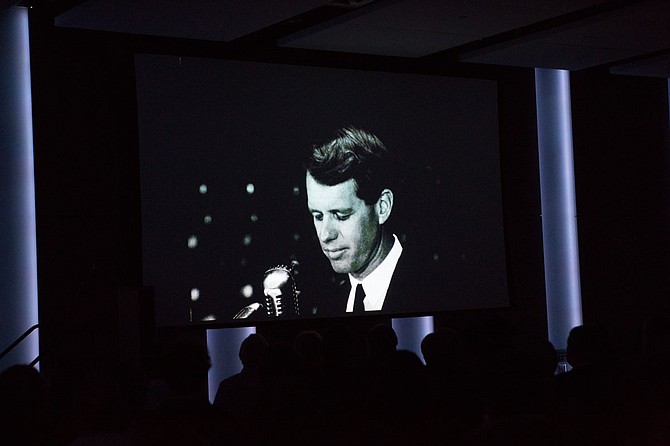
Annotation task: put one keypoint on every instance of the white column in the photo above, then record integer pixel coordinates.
(559, 212)
(18, 252)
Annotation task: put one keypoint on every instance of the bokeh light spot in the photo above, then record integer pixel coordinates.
(247, 291)
(195, 294)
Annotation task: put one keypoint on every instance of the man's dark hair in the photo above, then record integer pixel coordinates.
(357, 154)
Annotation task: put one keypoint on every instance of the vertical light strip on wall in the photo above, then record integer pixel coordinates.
(559, 210)
(18, 252)
(223, 345)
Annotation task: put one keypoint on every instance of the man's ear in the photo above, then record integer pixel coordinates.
(384, 206)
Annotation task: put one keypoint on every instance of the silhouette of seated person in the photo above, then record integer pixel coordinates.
(184, 416)
(23, 407)
(381, 343)
(275, 422)
(589, 396)
(655, 359)
(395, 411)
(523, 378)
(101, 410)
(312, 405)
(587, 352)
(340, 373)
(650, 398)
(240, 394)
(308, 347)
(443, 354)
(452, 389)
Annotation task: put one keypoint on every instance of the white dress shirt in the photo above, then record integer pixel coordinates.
(376, 284)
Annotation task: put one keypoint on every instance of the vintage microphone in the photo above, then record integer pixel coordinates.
(280, 291)
(247, 311)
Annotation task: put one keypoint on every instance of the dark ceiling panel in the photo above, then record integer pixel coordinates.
(567, 34)
(617, 35)
(415, 28)
(658, 66)
(221, 20)
(377, 40)
(544, 54)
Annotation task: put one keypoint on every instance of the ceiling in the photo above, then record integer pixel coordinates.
(627, 37)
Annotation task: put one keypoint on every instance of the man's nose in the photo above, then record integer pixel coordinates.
(327, 232)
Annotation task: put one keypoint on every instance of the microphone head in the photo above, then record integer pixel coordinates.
(281, 294)
(247, 311)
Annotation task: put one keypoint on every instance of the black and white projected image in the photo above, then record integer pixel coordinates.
(223, 147)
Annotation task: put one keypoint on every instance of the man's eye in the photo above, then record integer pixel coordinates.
(317, 217)
(342, 217)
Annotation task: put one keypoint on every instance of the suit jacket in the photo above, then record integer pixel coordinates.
(408, 291)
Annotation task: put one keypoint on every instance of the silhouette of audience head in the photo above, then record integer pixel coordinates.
(308, 347)
(186, 368)
(252, 350)
(381, 342)
(22, 390)
(337, 345)
(23, 405)
(279, 360)
(442, 348)
(656, 342)
(404, 366)
(587, 345)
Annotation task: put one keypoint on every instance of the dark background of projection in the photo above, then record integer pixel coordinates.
(229, 124)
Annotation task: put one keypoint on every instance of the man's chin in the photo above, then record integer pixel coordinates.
(340, 268)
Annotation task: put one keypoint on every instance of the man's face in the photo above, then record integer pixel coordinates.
(348, 229)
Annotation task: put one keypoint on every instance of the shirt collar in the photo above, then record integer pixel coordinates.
(376, 283)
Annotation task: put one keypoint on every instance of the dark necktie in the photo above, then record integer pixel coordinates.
(358, 299)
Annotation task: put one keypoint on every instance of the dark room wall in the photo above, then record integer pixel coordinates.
(622, 165)
(86, 193)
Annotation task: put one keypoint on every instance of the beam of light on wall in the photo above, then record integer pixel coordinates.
(411, 331)
(559, 211)
(18, 252)
(223, 345)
